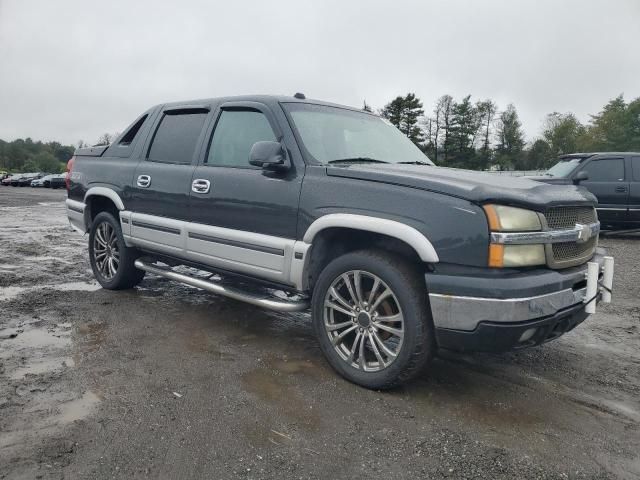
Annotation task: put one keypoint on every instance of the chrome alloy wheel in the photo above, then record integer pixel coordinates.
(363, 320)
(105, 250)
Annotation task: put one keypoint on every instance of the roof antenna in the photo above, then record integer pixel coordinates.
(299, 96)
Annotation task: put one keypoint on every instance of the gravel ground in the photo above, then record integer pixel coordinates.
(165, 381)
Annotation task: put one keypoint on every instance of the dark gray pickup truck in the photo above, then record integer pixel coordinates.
(321, 206)
(613, 177)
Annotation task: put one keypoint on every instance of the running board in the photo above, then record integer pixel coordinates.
(263, 301)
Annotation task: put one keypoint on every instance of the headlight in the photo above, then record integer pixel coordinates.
(516, 255)
(511, 219)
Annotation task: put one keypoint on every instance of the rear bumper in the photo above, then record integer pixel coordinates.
(494, 311)
(75, 214)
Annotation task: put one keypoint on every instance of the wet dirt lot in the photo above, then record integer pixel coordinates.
(165, 381)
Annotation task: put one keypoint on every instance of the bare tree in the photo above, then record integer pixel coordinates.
(105, 139)
(487, 110)
(436, 133)
(441, 122)
(443, 111)
(428, 130)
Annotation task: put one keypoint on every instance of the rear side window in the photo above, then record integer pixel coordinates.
(128, 138)
(635, 166)
(605, 170)
(235, 134)
(176, 137)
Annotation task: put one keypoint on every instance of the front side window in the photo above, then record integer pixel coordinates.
(606, 170)
(177, 136)
(235, 134)
(332, 134)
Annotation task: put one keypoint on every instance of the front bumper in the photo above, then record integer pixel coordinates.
(501, 337)
(491, 310)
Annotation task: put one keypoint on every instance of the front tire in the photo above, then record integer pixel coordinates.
(372, 319)
(111, 260)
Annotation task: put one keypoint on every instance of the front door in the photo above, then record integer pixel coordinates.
(634, 189)
(608, 183)
(243, 217)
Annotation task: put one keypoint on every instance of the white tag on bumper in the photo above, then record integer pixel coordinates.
(594, 287)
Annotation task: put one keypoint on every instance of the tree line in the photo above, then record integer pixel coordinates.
(25, 155)
(477, 135)
(480, 136)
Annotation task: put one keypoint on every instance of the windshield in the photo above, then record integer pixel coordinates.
(564, 167)
(333, 134)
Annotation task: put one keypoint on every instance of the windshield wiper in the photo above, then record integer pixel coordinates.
(357, 160)
(416, 162)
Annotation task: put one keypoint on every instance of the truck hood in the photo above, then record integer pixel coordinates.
(477, 187)
(551, 180)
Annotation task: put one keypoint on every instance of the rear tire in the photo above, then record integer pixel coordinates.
(372, 319)
(111, 260)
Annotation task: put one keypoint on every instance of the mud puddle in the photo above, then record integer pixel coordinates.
(9, 293)
(39, 395)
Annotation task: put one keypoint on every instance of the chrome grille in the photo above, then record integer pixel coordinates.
(567, 217)
(572, 250)
(568, 254)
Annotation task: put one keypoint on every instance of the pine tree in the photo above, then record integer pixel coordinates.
(464, 119)
(404, 112)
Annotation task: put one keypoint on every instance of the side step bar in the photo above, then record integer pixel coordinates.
(264, 301)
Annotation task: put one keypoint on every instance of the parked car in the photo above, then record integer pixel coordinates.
(57, 181)
(26, 179)
(44, 181)
(15, 179)
(6, 180)
(394, 256)
(613, 177)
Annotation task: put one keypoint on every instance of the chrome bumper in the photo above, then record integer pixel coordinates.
(465, 313)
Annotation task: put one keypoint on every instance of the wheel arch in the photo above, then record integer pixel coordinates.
(346, 232)
(100, 199)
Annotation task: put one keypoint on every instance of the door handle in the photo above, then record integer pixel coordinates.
(143, 181)
(621, 189)
(200, 185)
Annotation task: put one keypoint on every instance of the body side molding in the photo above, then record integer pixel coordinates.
(392, 228)
(105, 192)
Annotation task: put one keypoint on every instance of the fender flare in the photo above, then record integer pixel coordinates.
(392, 228)
(105, 192)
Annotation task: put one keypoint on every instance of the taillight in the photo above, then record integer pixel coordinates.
(67, 179)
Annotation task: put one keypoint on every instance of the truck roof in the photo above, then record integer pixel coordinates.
(591, 154)
(267, 99)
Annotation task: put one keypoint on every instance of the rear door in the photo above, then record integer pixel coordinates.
(608, 183)
(246, 218)
(634, 188)
(159, 200)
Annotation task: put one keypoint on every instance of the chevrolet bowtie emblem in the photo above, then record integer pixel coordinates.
(584, 232)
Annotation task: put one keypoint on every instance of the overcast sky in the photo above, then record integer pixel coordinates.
(73, 69)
